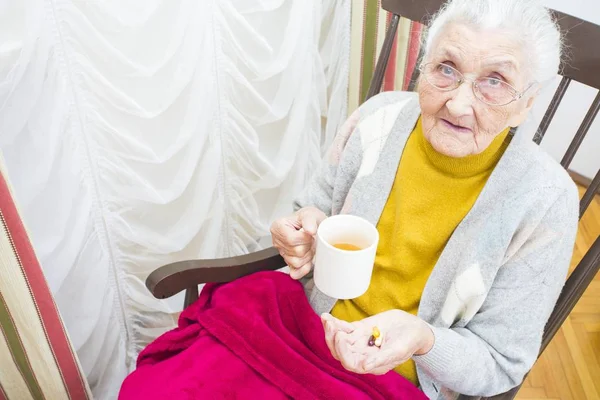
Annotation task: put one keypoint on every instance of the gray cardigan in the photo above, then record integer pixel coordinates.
(498, 278)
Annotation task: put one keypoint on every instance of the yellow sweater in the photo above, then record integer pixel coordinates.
(430, 196)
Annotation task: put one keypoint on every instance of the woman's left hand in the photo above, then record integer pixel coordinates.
(403, 335)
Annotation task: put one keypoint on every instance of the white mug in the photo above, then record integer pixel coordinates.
(345, 274)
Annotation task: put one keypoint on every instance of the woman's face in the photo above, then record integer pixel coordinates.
(455, 122)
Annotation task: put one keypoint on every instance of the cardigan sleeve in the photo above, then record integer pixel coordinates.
(495, 350)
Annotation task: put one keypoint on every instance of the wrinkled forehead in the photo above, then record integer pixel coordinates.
(478, 49)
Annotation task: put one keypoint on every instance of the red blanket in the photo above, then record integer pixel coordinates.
(254, 338)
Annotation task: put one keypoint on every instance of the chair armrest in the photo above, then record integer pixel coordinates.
(170, 279)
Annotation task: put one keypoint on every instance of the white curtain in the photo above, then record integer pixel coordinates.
(141, 132)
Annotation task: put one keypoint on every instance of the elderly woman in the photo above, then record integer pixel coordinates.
(476, 225)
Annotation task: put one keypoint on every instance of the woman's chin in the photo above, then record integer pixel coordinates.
(455, 153)
(452, 147)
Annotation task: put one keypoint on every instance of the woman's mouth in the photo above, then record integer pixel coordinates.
(455, 128)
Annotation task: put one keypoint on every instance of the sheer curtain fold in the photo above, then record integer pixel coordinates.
(139, 133)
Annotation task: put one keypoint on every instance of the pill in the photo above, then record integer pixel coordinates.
(376, 332)
(372, 341)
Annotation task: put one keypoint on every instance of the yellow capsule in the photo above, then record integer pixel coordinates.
(378, 341)
(376, 332)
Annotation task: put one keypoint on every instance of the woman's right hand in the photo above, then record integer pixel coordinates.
(294, 237)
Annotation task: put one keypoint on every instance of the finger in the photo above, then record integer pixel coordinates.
(288, 239)
(301, 251)
(329, 338)
(285, 235)
(380, 371)
(310, 220)
(349, 358)
(298, 262)
(298, 238)
(309, 224)
(383, 360)
(339, 324)
(289, 222)
(302, 271)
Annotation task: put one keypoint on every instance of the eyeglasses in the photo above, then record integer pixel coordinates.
(491, 91)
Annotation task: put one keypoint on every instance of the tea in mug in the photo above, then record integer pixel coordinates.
(346, 246)
(345, 250)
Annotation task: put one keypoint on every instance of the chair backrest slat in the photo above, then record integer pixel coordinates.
(589, 194)
(581, 132)
(558, 96)
(384, 56)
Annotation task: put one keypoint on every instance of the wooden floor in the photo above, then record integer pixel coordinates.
(570, 366)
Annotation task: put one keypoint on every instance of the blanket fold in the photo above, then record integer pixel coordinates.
(254, 338)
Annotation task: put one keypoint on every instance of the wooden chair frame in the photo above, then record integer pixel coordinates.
(583, 66)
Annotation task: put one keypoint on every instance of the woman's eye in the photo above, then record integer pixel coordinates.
(446, 70)
(493, 82)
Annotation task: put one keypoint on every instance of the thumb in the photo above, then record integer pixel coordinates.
(310, 220)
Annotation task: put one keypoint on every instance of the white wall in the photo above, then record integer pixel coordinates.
(574, 105)
(588, 10)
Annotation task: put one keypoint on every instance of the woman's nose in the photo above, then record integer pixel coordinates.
(462, 100)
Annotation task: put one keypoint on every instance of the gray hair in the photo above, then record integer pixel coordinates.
(529, 19)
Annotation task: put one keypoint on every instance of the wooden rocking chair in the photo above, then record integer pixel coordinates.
(584, 66)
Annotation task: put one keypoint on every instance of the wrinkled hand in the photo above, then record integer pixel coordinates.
(404, 335)
(294, 237)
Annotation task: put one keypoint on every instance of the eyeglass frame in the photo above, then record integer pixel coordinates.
(516, 95)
